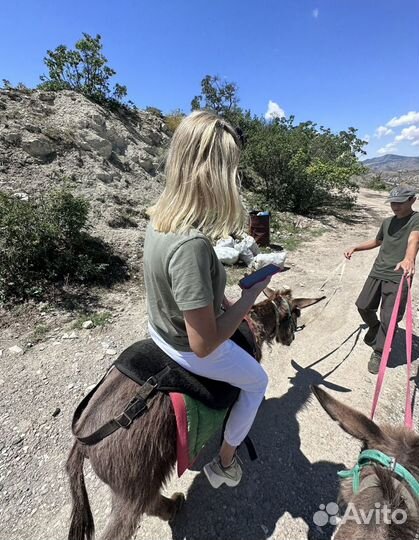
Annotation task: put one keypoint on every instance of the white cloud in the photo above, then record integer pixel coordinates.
(382, 131)
(409, 134)
(315, 13)
(387, 149)
(405, 120)
(274, 111)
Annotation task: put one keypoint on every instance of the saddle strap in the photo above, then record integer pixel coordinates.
(134, 408)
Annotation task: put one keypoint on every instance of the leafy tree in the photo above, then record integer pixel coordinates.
(301, 167)
(216, 95)
(84, 70)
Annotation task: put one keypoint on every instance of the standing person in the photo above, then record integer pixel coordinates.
(398, 239)
(185, 281)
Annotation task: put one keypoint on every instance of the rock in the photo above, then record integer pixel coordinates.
(70, 386)
(153, 150)
(88, 324)
(13, 137)
(111, 352)
(73, 335)
(37, 146)
(104, 177)
(1, 352)
(147, 165)
(21, 195)
(56, 412)
(48, 97)
(18, 439)
(98, 144)
(16, 349)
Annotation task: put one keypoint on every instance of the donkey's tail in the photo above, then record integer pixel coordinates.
(82, 525)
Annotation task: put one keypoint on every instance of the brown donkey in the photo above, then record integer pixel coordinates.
(136, 462)
(382, 502)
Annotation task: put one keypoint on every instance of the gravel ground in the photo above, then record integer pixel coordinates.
(300, 448)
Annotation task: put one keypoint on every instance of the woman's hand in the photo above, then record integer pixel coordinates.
(254, 291)
(206, 332)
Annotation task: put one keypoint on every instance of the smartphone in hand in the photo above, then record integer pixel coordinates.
(259, 275)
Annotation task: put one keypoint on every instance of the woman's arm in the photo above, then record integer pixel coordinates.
(369, 244)
(206, 332)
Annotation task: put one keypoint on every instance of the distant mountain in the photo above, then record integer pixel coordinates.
(392, 163)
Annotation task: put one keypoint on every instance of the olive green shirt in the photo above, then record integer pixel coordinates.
(394, 235)
(181, 272)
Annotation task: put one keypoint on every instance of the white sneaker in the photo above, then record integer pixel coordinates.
(218, 475)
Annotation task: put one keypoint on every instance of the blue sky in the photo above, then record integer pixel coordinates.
(339, 63)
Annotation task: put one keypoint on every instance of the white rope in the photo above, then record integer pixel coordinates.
(341, 266)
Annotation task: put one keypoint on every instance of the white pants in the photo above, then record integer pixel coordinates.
(231, 364)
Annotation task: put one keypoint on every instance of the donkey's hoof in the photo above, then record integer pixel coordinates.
(179, 499)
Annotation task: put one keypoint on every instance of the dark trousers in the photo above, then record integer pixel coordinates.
(373, 293)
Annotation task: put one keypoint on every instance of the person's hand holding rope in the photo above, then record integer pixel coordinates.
(408, 267)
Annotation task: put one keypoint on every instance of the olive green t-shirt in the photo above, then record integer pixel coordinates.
(394, 235)
(181, 272)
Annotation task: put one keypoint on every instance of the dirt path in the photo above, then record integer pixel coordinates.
(300, 448)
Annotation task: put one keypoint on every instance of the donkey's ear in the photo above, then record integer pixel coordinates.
(305, 302)
(268, 292)
(350, 420)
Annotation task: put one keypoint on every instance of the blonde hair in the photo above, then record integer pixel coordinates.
(201, 179)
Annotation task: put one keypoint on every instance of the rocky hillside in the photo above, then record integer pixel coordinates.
(391, 170)
(114, 159)
(393, 163)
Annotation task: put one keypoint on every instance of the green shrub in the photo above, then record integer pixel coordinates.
(174, 119)
(155, 111)
(376, 183)
(45, 241)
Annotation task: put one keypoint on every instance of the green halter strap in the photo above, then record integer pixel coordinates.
(368, 457)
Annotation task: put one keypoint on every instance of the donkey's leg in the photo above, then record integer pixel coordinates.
(123, 520)
(165, 508)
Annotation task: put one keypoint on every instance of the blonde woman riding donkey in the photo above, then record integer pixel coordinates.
(185, 281)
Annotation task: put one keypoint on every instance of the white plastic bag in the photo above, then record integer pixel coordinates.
(263, 259)
(247, 243)
(226, 242)
(246, 256)
(227, 255)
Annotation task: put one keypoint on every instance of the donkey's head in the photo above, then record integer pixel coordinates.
(381, 484)
(276, 317)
